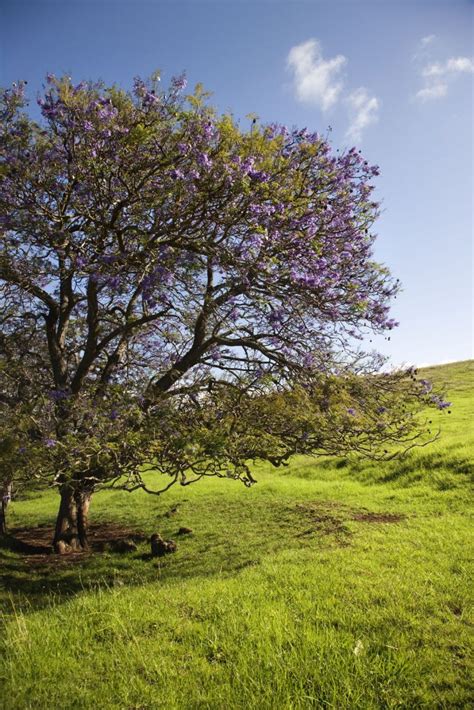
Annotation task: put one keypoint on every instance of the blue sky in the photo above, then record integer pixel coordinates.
(394, 78)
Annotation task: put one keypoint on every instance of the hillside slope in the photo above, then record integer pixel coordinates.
(340, 584)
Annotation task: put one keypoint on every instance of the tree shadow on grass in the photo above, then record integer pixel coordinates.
(432, 462)
(35, 576)
(16, 543)
(30, 568)
(407, 469)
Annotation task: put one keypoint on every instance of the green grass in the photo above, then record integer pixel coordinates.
(293, 594)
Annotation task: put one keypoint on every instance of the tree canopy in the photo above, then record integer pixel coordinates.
(184, 294)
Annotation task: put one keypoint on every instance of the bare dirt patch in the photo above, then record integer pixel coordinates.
(330, 518)
(323, 520)
(34, 544)
(365, 516)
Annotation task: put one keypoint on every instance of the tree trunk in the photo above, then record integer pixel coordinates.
(71, 524)
(6, 498)
(83, 501)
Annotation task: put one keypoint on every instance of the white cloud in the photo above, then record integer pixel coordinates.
(429, 39)
(432, 70)
(438, 75)
(363, 110)
(460, 64)
(316, 80)
(424, 48)
(435, 91)
(455, 65)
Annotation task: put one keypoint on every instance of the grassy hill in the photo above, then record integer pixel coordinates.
(330, 584)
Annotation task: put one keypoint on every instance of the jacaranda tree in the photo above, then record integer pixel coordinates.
(181, 296)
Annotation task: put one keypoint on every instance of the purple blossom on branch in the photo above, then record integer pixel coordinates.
(176, 174)
(178, 83)
(58, 395)
(440, 402)
(426, 386)
(204, 160)
(258, 175)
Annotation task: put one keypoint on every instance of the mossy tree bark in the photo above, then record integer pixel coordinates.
(6, 497)
(71, 524)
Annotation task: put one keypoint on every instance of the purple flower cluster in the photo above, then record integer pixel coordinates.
(426, 386)
(258, 175)
(176, 174)
(276, 317)
(204, 161)
(178, 83)
(106, 111)
(58, 395)
(155, 285)
(440, 402)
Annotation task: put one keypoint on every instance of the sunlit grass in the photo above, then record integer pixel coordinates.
(292, 594)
